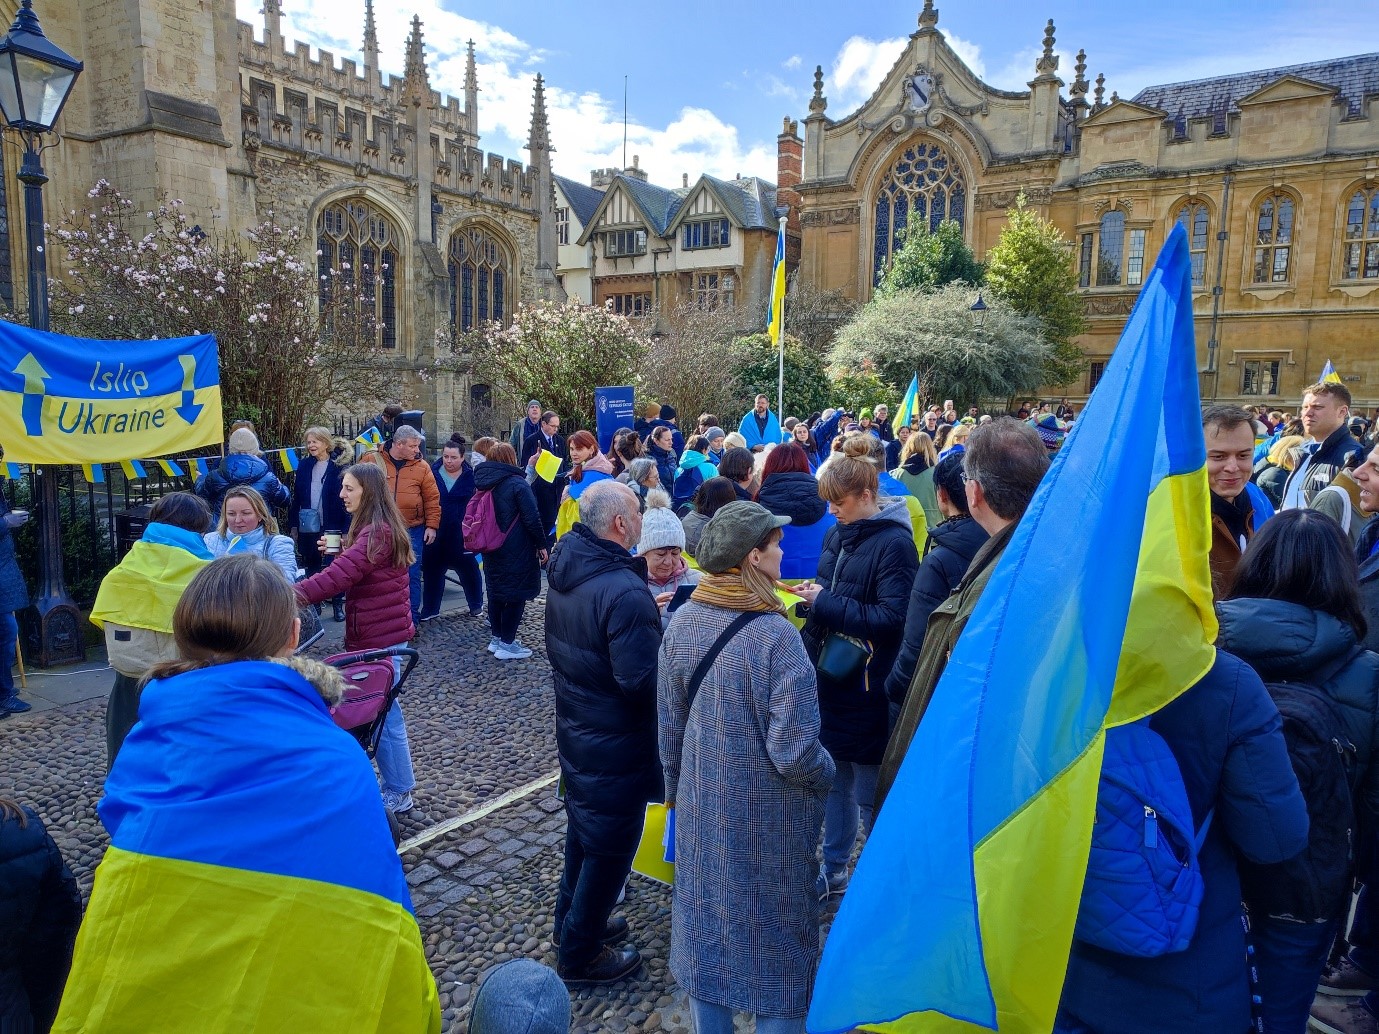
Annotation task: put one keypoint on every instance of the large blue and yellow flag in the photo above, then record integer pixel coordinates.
(909, 406)
(775, 315)
(961, 913)
(251, 881)
(76, 400)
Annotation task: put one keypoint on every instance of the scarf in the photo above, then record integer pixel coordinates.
(727, 591)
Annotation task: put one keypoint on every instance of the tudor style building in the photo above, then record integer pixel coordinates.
(1275, 174)
(179, 99)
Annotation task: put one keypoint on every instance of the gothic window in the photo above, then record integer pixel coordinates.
(924, 187)
(562, 225)
(480, 275)
(1111, 256)
(357, 246)
(1361, 255)
(1195, 220)
(1274, 240)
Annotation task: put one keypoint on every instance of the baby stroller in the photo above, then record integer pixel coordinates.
(373, 680)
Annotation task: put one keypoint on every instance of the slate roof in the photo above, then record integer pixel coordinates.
(1355, 78)
(750, 201)
(659, 204)
(582, 197)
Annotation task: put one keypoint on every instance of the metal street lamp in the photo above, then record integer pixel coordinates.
(36, 78)
(978, 310)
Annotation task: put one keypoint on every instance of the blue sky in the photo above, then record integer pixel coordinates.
(709, 82)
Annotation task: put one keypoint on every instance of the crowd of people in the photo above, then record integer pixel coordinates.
(747, 626)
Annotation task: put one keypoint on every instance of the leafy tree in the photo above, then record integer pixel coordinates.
(807, 386)
(933, 333)
(928, 260)
(1031, 268)
(860, 388)
(284, 360)
(560, 353)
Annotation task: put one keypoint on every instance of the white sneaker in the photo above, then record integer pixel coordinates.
(493, 644)
(513, 651)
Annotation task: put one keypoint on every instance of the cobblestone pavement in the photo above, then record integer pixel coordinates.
(484, 890)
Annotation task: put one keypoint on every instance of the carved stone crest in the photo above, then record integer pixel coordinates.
(919, 91)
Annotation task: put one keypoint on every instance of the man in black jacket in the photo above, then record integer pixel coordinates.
(546, 439)
(603, 633)
(1330, 447)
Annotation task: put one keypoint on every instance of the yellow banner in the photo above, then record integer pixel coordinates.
(87, 430)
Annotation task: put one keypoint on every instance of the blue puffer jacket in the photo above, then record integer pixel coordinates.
(796, 495)
(1227, 737)
(39, 913)
(238, 469)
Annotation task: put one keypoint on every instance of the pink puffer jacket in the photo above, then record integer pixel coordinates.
(378, 609)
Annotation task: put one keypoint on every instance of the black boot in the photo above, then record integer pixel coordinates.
(337, 610)
(615, 931)
(607, 967)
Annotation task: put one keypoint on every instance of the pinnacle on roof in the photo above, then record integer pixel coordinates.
(928, 18)
(540, 137)
(471, 71)
(414, 72)
(1048, 60)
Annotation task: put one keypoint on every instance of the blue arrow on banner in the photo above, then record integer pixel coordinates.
(189, 410)
(34, 389)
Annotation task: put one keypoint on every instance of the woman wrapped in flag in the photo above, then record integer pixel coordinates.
(251, 882)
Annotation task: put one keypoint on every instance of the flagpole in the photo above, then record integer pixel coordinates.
(780, 341)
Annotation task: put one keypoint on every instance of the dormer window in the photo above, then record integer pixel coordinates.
(708, 233)
(617, 243)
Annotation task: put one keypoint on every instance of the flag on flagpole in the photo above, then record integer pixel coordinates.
(94, 473)
(133, 469)
(908, 406)
(1329, 374)
(290, 460)
(170, 467)
(775, 314)
(961, 913)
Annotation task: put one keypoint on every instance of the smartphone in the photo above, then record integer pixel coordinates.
(681, 595)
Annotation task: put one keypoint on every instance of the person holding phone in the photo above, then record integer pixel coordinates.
(662, 546)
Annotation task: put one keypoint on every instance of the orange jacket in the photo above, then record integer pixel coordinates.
(414, 490)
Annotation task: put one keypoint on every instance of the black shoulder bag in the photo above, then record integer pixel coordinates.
(734, 627)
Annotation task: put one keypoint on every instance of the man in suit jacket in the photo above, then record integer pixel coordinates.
(546, 439)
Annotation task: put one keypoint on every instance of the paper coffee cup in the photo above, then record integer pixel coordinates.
(332, 542)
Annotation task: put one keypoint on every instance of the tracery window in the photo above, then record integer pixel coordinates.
(1360, 259)
(1274, 240)
(480, 275)
(924, 187)
(1197, 223)
(357, 244)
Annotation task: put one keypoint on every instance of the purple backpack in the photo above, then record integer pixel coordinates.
(481, 531)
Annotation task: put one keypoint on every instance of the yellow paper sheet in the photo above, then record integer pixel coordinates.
(651, 852)
(547, 465)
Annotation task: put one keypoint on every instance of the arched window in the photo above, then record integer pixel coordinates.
(1195, 220)
(1361, 258)
(1111, 257)
(924, 187)
(357, 244)
(480, 279)
(1274, 240)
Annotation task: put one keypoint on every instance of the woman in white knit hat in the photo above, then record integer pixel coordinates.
(663, 546)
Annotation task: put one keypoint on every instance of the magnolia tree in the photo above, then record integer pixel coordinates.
(285, 359)
(558, 353)
(934, 334)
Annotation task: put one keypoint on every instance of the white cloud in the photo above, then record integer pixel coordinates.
(970, 53)
(858, 69)
(793, 61)
(586, 127)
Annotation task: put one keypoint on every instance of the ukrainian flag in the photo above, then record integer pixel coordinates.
(775, 315)
(251, 883)
(961, 914)
(908, 406)
(1329, 374)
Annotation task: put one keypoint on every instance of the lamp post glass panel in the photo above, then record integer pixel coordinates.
(978, 310)
(36, 78)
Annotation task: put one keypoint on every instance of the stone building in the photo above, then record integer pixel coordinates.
(1275, 174)
(182, 100)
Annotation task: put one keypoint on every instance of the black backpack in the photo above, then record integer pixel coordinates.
(1311, 887)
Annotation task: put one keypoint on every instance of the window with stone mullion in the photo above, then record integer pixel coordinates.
(1361, 248)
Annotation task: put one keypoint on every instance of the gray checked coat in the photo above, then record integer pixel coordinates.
(748, 776)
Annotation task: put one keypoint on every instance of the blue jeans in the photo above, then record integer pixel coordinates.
(9, 642)
(718, 1019)
(394, 754)
(1291, 957)
(417, 535)
(854, 790)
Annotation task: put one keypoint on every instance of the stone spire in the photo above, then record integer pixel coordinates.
(539, 139)
(415, 79)
(272, 19)
(1079, 87)
(371, 55)
(1099, 92)
(818, 104)
(928, 18)
(471, 94)
(539, 148)
(1048, 60)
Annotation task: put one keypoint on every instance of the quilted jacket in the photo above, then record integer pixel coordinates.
(378, 609)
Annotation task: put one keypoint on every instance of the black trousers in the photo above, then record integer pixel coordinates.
(503, 618)
(589, 888)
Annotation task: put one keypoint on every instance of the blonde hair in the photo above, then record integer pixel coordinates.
(843, 476)
(733, 440)
(376, 507)
(960, 433)
(1282, 455)
(269, 522)
(863, 445)
(922, 443)
(756, 582)
(337, 449)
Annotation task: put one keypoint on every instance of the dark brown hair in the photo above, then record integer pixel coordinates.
(377, 508)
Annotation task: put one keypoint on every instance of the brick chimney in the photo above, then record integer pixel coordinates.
(789, 172)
